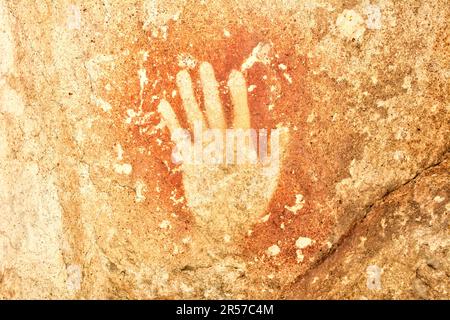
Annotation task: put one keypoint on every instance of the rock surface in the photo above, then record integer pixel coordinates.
(398, 251)
(91, 205)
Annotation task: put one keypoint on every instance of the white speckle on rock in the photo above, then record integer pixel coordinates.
(119, 151)
(300, 256)
(374, 277)
(73, 18)
(273, 250)
(186, 240)
(11, 101)
(265, 218)
(140, 189)
(374, 79)
(303, 242)
(226, 33)
(407, 84)
(439, 199)
(399, 155)
(311, 117)
(287, 77)
(165, 224)
(350, 25)
(143, 79)
(99, 102)
(259, 54)
(125, 168)
(383, 223)
(176, 250)
(226, 238)
(131, 114)
(299, 202)
(176, 16)
(373, 13)
(174, 198)
(74, 276)
(362, 241)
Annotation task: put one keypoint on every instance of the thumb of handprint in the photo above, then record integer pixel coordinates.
(228, 173)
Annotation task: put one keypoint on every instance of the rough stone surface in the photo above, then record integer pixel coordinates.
(91, 205)
(398, 251)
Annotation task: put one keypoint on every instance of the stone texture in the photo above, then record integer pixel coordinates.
(398, 251)
(92, 207)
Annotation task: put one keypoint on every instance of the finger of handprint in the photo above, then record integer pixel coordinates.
(238, 91)
(213, 106)
(193, 112)
(168, 115)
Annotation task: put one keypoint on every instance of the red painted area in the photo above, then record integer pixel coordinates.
(149, 149)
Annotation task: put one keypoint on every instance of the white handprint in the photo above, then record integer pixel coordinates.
(226, 199)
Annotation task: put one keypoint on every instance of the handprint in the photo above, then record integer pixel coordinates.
(227, 185)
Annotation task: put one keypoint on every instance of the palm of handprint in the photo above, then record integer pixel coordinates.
(225, 199)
